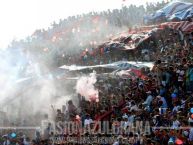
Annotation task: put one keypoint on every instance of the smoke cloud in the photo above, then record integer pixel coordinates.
(29, 91)
(25, 91)
(85, 87)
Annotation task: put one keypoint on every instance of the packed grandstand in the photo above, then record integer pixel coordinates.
(133, 86)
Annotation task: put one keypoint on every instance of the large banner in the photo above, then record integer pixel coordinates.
(121, 65)
(174, 11)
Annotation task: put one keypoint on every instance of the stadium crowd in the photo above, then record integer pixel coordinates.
(163, 98)
(66, 38)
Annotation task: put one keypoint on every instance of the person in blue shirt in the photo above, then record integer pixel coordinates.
(148, 101)
(164, 103)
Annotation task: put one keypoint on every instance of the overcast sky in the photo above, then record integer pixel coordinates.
(20, 18)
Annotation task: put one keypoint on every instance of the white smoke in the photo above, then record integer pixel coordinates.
(29, 97)
(85, 87)
(37, 95)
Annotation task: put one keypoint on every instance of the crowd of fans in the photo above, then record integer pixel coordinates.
(164, 98)
(56, 45)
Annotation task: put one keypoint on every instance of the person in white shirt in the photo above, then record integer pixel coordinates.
(133, 106)
(87, 121)
(125, 123)
(175, 123)
(176, 108)
(149, 99)
(181, 74)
